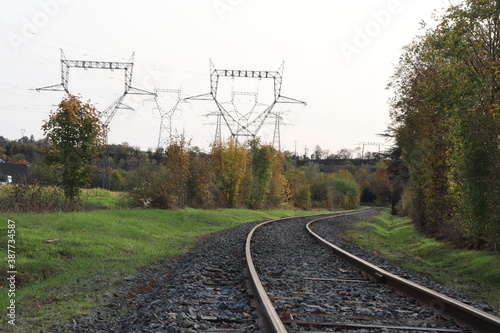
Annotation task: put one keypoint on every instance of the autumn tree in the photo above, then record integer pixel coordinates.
(229, 162)
(300, 187)
(446, 112)
(279, 186)
(177, 170)
(75, 135)
(164, 186)
(469, 37)
(260, 174)
(201, 191)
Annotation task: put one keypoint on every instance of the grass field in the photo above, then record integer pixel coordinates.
(67, 262)
(474, 273)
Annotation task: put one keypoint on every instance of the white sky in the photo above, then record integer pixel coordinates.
(338, 58)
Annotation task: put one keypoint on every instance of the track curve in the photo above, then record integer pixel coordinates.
(297, 296)
(477, 320)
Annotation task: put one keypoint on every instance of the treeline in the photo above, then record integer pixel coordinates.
(24, 150)
(231, 174)
(126, 157)
(446, 113)
(249, 175)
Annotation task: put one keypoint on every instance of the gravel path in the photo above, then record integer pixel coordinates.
(206, 290)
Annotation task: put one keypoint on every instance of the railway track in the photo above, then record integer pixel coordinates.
(303, 286)
(277, 268)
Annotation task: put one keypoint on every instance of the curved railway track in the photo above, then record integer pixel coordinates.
(293, 282)
(303, 286)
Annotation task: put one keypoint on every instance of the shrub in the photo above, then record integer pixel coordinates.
(343, 193)
(35, 199)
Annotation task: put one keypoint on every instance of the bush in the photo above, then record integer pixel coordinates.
(154, 190)
(35, 199)
(343, 193)
(302, 197)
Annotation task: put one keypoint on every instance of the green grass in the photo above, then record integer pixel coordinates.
(102, 199)
(92, 251)
(474, 273)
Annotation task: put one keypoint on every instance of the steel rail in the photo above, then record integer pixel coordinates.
(272, 319)
(269, 312)
(477, 320)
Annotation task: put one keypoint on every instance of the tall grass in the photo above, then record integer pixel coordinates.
(97, 198)
(33, 199)
(47, 199)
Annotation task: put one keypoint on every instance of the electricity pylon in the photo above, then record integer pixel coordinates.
(248, 124)
(166, 134)
(127, 67)
(277, 131)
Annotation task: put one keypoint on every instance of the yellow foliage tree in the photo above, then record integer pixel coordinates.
(229, 160)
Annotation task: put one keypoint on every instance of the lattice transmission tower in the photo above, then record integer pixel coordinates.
(127, 67)
(111, 110)
(243, 116)
(249, 123)
(166, 133)
(277, 130)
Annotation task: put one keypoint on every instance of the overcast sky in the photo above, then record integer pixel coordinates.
(338, 57)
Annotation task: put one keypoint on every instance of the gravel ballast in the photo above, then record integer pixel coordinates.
(206, 290)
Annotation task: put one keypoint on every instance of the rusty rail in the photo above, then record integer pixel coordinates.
(477, 320)
(272, 320)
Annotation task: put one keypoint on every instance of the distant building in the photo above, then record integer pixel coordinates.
(12, 172)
